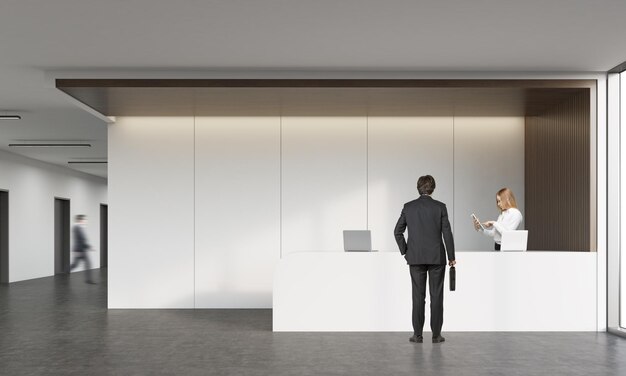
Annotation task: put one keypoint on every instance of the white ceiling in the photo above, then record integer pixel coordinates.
(280, 35)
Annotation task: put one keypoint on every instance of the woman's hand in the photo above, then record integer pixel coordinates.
(476, 224)
(489, 224)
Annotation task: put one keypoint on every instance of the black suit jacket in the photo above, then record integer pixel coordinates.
(429, 227)
(80, 240)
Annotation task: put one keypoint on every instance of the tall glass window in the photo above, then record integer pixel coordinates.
(622, 252)
(615, 195)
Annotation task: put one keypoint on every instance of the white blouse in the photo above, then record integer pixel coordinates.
(508, 220)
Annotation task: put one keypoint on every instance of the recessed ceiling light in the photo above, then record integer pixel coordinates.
(10, 117)
(87, 162)
(49, 145)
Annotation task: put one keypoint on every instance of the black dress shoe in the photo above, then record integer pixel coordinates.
(416, 339)
(438, 339)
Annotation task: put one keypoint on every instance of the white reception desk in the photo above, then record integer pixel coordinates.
(496, 291)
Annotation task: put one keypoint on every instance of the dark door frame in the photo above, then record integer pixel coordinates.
(62, 250)
(104, 235)
(4, 236)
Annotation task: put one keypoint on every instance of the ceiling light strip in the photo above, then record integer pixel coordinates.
(41, 145)
(87, 162)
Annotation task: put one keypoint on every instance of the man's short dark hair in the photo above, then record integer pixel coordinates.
(426, 185)
(80, 217)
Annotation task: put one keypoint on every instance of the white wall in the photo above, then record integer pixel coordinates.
(202, 208)
(401, 149)
(324, 181)
(151, 223)
(488, 155)
(237, 210)
(32, 187)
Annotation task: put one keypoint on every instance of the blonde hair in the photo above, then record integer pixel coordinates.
(507, 198)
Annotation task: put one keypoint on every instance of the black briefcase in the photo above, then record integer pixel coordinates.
(452, 278)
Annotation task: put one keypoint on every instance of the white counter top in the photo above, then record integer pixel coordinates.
(496, 291)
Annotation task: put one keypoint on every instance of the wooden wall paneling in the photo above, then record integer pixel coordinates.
(557, 173)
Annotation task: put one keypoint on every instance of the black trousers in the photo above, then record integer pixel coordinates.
(78, 256)
(436, 275)
(497, 247)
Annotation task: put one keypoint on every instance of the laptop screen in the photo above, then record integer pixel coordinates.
(357, 241)
(514, 240)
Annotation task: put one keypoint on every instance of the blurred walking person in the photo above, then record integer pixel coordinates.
(81, 246)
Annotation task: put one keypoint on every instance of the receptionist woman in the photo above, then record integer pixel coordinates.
(510, 217)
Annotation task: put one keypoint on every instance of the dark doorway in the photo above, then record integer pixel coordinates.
(104, 236)
(4, 237)
(61, 236)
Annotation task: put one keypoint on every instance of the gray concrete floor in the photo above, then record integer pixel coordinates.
(60, 326)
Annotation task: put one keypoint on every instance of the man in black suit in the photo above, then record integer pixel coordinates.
(81, 246)
(429, 228)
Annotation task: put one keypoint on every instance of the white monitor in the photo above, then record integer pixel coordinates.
(514, 240)
(357, 241)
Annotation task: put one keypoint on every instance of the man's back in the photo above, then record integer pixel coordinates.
(427, 220)
(80, 242)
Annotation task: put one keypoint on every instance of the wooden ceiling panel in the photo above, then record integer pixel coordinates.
(322, 97)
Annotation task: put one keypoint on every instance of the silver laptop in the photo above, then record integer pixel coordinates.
(514, 240)
(357, 241)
